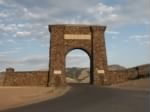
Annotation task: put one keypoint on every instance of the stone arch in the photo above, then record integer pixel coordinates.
(74, 48)
(89, 58)
(67, 37)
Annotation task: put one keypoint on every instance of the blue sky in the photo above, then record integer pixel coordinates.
(24, 36)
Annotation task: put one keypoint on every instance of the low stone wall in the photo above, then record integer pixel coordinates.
(132, 74)
(33, 78)
(2, 76)
(143, 70)
(40, 78)
(118, 76)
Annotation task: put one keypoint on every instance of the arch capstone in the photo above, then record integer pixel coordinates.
(67, 37)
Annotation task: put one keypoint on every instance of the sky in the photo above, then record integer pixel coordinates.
(24, 35)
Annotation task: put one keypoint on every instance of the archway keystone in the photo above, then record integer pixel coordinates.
(64, 38)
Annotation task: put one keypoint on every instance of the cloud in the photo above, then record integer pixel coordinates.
(141, 39)
(44, 45)
(10, 52)
(112, 32)
(104, 14)
(22, 33)
(1, 42)
(146, 22)
(77, 61)
(3, 15)
(77, 58)
(25, 25)
(101, 9)
(8, 28)
(34, 14)
(134, 10)
(147, 42)
(121, 13)
(35, 59)
(1, 1)
(29, 19)
(88, 12)
(114, 37)
(85, 11)
(11, 41)
(27, 63)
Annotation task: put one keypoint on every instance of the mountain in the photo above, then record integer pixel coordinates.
(74, 72)
(116, 67)
(84, 76)
(71, 80)
(81, 75)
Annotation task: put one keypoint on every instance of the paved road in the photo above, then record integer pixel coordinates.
(87, 98)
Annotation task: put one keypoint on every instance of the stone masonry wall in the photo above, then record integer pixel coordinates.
(143, 70)
(40, 78)
(60, 46)
(119, 76)
(2, 76)
(33, 78)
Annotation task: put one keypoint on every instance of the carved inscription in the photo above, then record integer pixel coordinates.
(100, 71)
(57, 71)
(77, 36)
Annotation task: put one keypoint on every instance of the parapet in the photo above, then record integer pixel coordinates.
(10, 69)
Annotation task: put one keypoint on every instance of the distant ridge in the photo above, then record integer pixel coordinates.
(143, 65)
(116, 67)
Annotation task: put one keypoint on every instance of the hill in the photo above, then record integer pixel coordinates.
(116, 67)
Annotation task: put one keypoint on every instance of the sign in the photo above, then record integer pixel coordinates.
(100, 71)
(57, 71)
(77, 36)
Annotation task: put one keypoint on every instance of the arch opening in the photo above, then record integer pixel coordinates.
(78, 66)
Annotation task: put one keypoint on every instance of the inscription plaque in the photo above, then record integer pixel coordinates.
(77, 36)
(57, 71)
(100, 71)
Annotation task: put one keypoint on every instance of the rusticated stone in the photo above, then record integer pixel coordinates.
(33, 78)
(93, 44)
(10, 69)
(40, 78)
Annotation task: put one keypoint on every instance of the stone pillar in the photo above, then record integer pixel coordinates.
(94, 44)
(10, 70)
(99, 55)
(56, 65)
